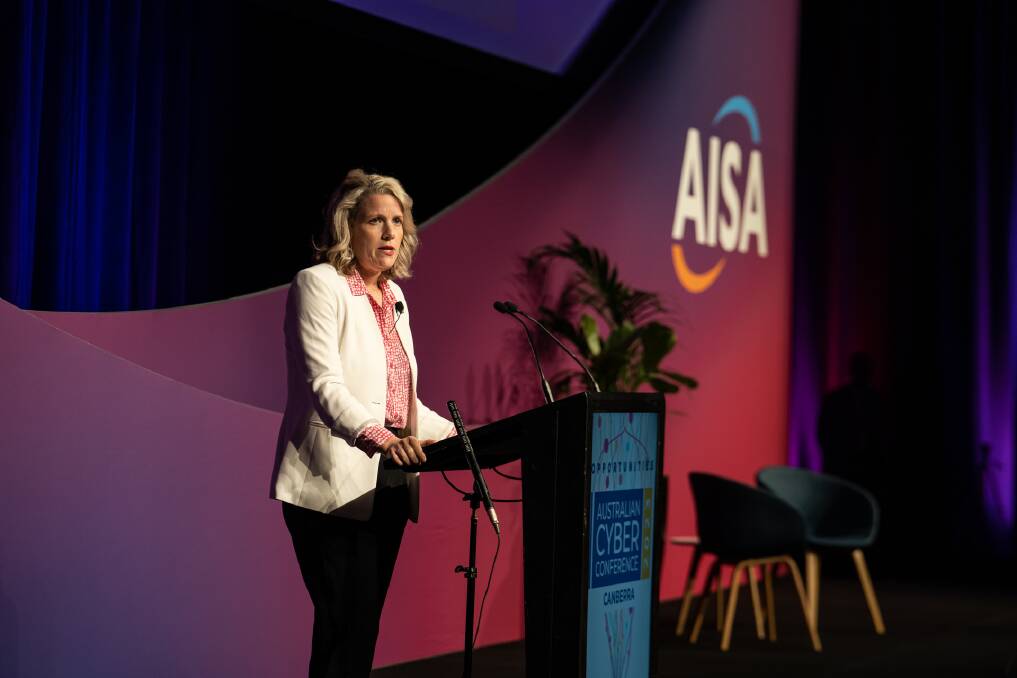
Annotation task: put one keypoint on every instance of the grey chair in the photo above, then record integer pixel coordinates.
(839, 516)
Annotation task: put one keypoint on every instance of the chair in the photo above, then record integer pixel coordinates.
(746, 527)
(690, 583)
(838, 516)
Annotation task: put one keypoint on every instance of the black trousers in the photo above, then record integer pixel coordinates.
(347, 567)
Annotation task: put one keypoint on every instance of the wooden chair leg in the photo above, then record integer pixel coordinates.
(732, 603)
(720, 602)
(697, 624)
(757, 608)
(870, 593)
(690, 583)
(771, 613)
(809, 621)
(812, 584)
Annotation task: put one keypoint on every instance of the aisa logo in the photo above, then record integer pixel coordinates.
(723, 208)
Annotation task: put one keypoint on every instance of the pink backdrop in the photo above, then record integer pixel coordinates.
(138, 446)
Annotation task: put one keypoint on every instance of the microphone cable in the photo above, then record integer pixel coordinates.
(466, 494)
(494, 560)
(490, 576)
(399, 309)
(505, 475)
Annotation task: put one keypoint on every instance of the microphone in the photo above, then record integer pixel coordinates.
(399, 308)
(513, 309)
(544, 386)
(479, 486)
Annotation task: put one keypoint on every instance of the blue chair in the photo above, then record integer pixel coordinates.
(746, 527)
(839, 516)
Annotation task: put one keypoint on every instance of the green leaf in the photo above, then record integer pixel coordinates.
(621, 338)
(589, 328)
(662, 386)
(683, 379)
(565, 330)
(658, 340)
(608, 369)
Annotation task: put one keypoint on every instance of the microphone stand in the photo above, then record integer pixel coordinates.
(470, 574)
(479, 495)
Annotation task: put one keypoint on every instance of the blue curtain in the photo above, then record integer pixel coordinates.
(106, 110)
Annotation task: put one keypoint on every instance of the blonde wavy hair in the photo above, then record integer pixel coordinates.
(336, 243)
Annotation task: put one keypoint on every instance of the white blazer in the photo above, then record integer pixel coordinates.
(336, 374)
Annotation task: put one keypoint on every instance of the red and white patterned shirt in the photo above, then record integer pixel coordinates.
(398, 374)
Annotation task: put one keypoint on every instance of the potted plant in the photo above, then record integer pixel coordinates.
(616, 329)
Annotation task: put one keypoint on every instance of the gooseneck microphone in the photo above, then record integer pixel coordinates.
(544, 386)
(513, 309)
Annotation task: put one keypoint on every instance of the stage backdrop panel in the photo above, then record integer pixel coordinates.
(138, 536)
(695, 121)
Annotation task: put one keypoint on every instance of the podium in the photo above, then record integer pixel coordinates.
(591, 469)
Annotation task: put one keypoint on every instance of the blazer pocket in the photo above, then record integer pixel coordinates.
(318, 448)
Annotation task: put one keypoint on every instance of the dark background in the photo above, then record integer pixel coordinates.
(240, 118)
(904, 237)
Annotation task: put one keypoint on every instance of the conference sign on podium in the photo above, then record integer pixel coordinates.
(620, 606)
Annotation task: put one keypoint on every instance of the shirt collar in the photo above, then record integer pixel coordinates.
(387, 294)
(356, 283)
(358, 287)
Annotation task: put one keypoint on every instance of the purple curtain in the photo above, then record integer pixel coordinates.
(906, 249)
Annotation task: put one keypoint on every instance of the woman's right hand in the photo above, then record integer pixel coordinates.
(405, 451)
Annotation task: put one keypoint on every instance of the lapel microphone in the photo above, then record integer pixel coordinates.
(399, 308)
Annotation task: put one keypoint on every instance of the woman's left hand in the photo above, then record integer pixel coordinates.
(406, 451)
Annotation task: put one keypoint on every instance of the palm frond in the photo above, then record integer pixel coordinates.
(635, 342)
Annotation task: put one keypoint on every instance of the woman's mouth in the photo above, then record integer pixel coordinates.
(387, 249)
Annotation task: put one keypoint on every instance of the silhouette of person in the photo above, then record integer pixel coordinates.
(851, 427)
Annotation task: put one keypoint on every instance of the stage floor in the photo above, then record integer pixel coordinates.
(932, 630)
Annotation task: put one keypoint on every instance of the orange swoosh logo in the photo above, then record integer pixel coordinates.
(690, 280)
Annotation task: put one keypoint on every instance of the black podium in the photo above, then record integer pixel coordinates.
(591, 467)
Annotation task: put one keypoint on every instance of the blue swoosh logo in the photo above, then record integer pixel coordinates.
(742, 106)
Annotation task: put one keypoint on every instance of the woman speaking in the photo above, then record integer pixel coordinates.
(351, 402)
